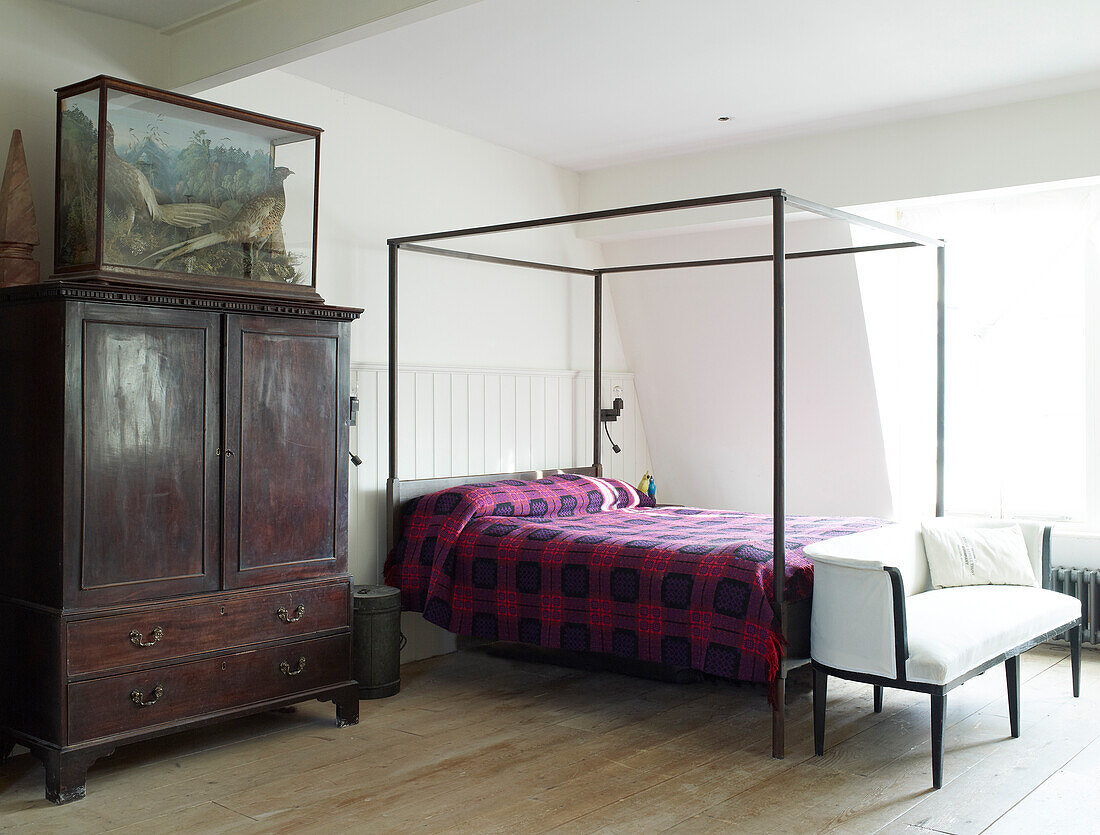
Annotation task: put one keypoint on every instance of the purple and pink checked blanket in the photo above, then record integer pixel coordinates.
(589, 564)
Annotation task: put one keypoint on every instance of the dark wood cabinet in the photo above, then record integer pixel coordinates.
(173, 538)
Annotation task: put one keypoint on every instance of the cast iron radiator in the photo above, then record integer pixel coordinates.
(1084, 584)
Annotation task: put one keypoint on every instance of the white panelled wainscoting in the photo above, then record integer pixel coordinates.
(457, 421)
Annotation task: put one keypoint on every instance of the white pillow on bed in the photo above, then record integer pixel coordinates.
(977, 556)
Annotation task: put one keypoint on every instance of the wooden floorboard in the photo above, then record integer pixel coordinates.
(481, 743)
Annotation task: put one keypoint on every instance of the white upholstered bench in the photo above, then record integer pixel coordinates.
(877, 619)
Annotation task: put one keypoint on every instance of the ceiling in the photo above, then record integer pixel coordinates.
(158, 14)
(590, 83)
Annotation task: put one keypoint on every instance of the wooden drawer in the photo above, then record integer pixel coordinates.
(107, 706)
(209, 624)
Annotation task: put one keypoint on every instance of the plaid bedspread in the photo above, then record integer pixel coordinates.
(578, 563)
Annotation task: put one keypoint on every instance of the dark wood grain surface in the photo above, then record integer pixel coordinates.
(286, 425)
(105, 706)
(144, 498)
(32, 686)
(150, 414)
(32, 363)
(209, 624)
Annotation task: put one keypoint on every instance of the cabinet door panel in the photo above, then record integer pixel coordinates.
(148, 481)
(286, 427)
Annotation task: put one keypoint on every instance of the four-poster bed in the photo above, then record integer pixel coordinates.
(791, 617)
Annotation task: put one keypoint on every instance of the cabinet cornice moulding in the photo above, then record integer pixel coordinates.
(159, 297)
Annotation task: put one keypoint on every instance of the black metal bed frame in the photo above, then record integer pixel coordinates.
(778, 257)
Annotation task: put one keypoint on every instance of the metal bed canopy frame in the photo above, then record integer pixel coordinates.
(778, 257)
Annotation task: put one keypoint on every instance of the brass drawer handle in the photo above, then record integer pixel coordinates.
(138, 640)
(286, 617)
(138, 698)
(284, 668)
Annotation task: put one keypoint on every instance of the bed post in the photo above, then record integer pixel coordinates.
(391, 483)
(941, 359)
(779, 526)
(597, 369)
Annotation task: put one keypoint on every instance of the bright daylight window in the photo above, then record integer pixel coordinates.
(1023, 348)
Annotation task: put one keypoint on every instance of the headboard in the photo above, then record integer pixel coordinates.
(399, 491)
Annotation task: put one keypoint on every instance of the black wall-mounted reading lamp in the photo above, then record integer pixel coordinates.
(353, 419)
(611, 415)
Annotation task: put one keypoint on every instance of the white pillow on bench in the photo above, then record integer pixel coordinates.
(977, 556)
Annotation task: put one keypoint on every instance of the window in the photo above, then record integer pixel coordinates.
(1023, 349)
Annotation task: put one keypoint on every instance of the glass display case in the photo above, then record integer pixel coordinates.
(155, 187)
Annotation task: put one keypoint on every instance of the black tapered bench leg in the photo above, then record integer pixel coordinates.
(939, 707)
(821, 685)
(1012, 676)
(1075, 659)
(878, 698)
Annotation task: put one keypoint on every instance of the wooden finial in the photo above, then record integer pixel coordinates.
(18, 225)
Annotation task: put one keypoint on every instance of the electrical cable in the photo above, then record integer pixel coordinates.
(614, 446)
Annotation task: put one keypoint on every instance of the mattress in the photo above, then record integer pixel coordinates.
(579, 563)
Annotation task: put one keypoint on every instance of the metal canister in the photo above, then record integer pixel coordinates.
(377, 641)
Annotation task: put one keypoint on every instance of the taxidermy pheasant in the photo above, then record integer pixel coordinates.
(258, 221)
(130, 194)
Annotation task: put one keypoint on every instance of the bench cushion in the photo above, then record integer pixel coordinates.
(953, 630)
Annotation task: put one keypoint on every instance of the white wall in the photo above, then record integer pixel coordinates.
(700, 344)
(385, 174)
(44, 46)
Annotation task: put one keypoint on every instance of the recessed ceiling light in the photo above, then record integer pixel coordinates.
(723, 118)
